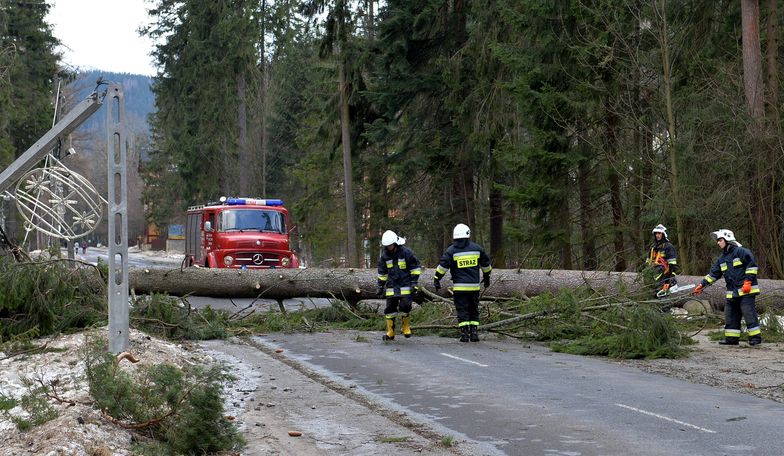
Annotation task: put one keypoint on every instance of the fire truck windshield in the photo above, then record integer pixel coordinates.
(251, 220)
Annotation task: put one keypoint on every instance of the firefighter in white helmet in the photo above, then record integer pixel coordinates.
(398, 280)
(739, 269)
(663, 258)
(463, 259)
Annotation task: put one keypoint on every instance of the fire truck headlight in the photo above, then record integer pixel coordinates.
(228, 260)
(285, 262)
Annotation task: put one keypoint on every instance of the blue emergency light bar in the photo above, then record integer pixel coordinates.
(251, 201)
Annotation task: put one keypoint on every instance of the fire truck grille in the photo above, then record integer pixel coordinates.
(256, 259)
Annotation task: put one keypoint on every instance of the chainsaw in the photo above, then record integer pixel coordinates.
(675, 289)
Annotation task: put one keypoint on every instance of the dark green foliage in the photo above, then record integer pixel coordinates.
(7, 402)
(34, 402)
(173, 318)
(27, 65)
(207, 48)
(636, 332)
(338, 315)
(48, 298)
(182, 408)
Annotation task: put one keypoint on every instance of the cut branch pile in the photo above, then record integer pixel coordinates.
(578, 321)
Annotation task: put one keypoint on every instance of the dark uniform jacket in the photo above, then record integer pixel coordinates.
(736, 264)
(399, 271)
(664, 250)
(463, 259)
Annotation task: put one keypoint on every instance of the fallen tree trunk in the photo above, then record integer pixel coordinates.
(353, 285)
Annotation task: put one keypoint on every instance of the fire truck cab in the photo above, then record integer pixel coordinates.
(239, 233)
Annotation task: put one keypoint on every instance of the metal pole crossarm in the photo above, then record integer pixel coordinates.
(46, 143)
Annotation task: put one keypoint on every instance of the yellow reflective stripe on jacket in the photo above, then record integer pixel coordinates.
(389, 264)
(724, 266)
(440, 269)
(383, 278)
(466, 259)
(463, 323)
(754, 290)
(754, 331)
(466, 287)
(710, 279)
(487, 269)
(736, 262)
(752, 270)
(672, 261)
(731, 332)
(401, 263)
(416, 271)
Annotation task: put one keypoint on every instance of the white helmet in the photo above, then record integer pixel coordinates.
(389, 237)
(660, 229)
(728, 236)
(461, 231)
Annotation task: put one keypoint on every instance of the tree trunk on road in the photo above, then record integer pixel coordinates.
(355, 284)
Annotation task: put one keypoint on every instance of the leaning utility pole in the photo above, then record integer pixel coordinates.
(117, 148)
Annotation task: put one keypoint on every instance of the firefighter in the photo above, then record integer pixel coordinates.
(463, 259)
(664, 259)
(398, 279)
(739, 268)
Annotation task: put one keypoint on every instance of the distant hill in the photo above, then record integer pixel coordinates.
(139, 99)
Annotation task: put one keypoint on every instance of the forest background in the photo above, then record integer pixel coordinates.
(560, 131)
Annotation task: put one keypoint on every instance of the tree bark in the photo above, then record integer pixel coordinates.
(348, 176)
(242, 124)
(590, 260)
(356, 284)
(752, 59)
(496, 221)
(771, 53)
(670, 143)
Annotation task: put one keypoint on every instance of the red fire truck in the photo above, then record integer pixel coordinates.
(241, 233)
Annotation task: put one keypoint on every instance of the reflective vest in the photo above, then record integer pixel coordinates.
(664, 259)
(398, 271)
(463, 259)
(736, 265)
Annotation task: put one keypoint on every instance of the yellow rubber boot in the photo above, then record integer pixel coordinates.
(406, 326)
(390, 335)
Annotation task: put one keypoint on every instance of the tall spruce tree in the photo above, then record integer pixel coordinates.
(206, 57)
(28, 65)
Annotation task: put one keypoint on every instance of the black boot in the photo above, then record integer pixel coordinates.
(755, 340)
(729, 341)
(464, 334)
(472, 334)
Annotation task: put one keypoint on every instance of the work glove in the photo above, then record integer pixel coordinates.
(436, 283)
(698, 290)
(380, 291)
(746, 289)
(665, 287)
(486, 280)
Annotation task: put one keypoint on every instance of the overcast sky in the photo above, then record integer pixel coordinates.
(102, 34)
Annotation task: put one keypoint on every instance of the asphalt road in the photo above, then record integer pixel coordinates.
(524, 400)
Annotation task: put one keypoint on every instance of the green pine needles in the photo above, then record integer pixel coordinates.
(181, 409)
(39, 299)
